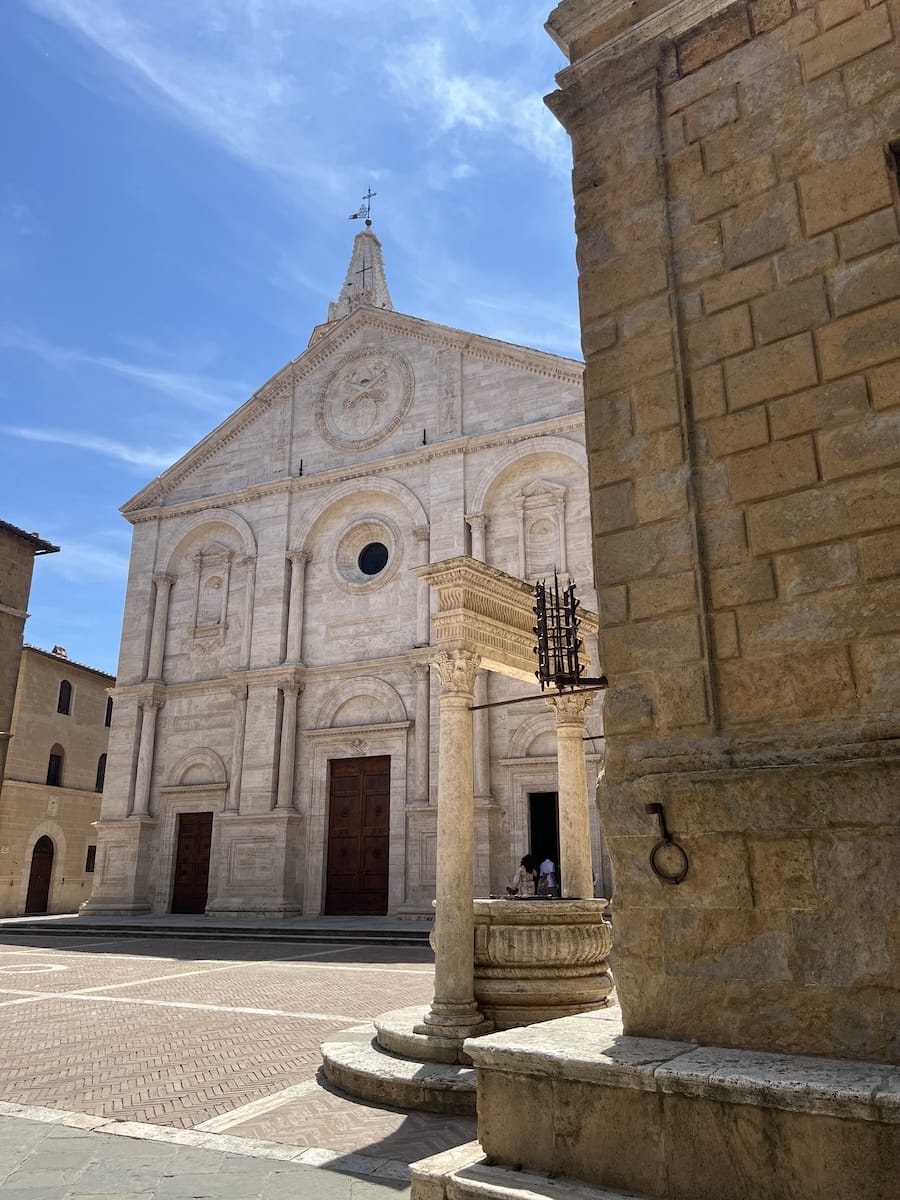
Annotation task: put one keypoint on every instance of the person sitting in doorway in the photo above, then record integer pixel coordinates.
(525, 882)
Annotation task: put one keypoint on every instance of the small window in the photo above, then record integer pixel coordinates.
(108, 719)
(90, 860)
(373, 558)
(55, 767)
(64, 701)
(101, 773)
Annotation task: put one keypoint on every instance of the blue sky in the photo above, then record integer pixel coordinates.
(174, 189)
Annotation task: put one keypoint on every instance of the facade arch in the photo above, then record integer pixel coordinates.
(338, 495)
(168, 555)
(203, 760)
(531, 728)
(365, 686)
(534, 447)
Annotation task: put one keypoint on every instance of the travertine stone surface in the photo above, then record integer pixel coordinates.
(737, 245)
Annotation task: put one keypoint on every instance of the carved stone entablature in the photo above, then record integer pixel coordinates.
(457, 670)
(488, 612)
(364, 398)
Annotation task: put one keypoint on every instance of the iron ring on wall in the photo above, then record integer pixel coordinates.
(669, 876)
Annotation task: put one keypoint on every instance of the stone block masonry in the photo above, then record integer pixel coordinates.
(752, 626)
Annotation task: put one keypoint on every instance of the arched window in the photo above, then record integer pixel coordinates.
(55, 766)
(64, 702)
(108, 719)
(101, 773)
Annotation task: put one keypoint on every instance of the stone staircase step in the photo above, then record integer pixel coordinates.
(464, 1173)
(396, 1034)
(218, 932)
(368, 1072)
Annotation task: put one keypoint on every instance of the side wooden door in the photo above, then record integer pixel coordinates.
(192, 862)
(359, 810)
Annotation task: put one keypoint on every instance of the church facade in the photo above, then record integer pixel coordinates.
(274, 741)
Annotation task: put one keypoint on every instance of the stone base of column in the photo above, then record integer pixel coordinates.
(456, 1021)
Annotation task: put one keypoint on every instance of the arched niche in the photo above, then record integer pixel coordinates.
(350, 701)
(198, 768)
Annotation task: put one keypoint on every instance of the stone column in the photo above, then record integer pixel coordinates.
(576, 875)
(477, 523)
(453, 1011)
(482, 739)
(422, 734)
(150, 711)
(422, 534)
(233, 799)
(163, 584)
(298, 560)
(250, 596)
(290, 693)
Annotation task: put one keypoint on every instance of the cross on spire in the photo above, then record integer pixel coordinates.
(365, 210)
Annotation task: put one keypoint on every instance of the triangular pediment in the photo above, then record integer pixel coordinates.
(234, 442)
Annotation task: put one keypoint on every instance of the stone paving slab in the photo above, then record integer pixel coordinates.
(50, 1160)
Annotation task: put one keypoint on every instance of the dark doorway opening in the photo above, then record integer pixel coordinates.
(543, 826)
(38, 896)
(359, 811)
(192, 862)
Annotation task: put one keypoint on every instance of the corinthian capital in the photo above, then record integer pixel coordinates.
(162, 580)
(570, 706)
(457, 670)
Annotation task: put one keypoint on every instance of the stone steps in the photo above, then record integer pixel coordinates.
(364, 1069)
(464, 1173)
(218, 931)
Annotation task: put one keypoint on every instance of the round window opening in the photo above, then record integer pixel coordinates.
(373, 558)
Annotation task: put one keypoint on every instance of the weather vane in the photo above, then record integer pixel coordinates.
(365, 209)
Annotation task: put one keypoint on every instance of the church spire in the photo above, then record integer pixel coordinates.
(366, 282)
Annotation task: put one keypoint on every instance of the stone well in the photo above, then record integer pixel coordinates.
(536, 960)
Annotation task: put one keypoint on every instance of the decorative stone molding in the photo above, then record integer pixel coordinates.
(364, 398)
(571, 706)
(457, 670)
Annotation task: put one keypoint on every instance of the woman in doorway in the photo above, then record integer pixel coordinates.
(523, 885)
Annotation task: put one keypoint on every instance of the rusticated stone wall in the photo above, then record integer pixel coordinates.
(736, 204)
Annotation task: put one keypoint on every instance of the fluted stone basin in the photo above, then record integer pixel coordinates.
(536, 960)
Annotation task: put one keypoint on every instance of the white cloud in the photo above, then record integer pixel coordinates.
(201, 392)
(88, 561)
(143, 457)
(496, 107)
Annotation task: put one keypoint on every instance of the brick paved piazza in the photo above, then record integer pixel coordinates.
(218, 1035)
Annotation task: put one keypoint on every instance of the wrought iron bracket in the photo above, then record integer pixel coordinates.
(666, 842)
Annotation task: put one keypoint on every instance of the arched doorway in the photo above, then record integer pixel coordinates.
(38, 896)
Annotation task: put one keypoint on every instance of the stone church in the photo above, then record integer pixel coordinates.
(273, 749)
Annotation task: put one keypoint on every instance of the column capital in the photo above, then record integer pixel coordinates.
(163, 580)
(299, 556)
(570, 706)
(476, 520)
(420, 670)
(457, 670)
(290, 687)
(422, 533)
(151, 703)
(239, 691)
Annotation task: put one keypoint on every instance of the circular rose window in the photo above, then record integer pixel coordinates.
(367, 554)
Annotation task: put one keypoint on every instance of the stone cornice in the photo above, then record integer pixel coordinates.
(357, 731)
(423, 455)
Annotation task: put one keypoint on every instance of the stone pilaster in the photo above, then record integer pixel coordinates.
(233, 799)
(162, 589)
(150, 706)
(477, 523)
(422, 733)
(290, 695)
(298, 560)
(422, 534)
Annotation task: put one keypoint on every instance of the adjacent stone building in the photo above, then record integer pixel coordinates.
(274, 745)
(18, 550)
(50, 796)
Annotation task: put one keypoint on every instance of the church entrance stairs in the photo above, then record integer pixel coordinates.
(383, 931)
